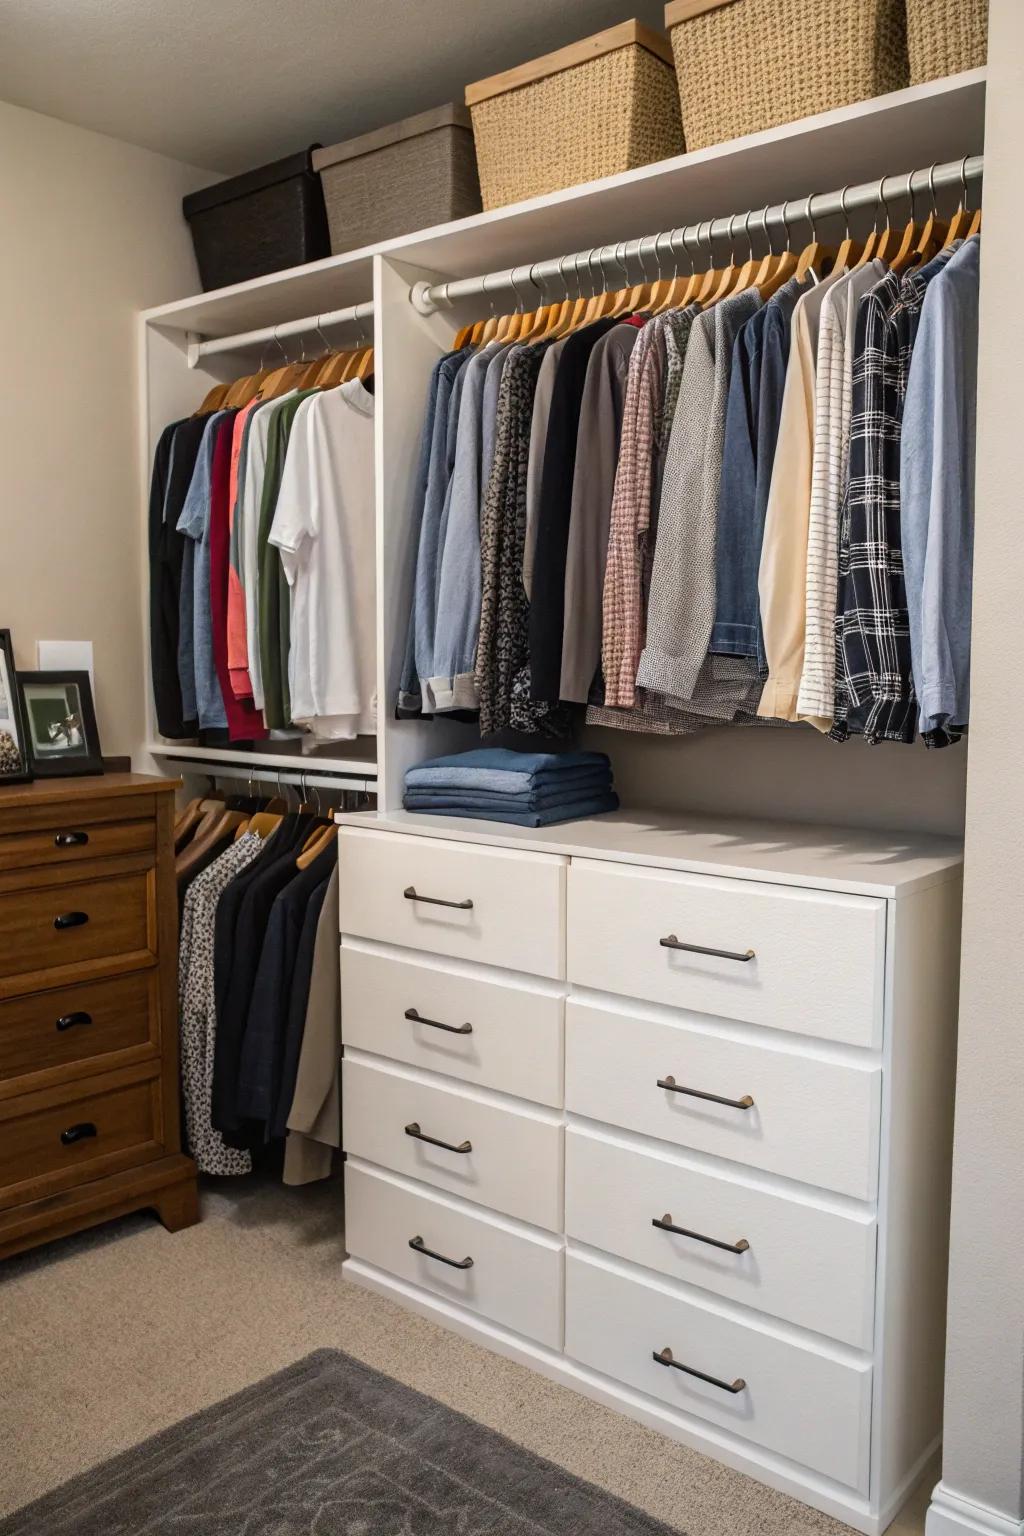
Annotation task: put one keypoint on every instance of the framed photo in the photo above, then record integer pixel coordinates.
(61, 723)
(15, 767)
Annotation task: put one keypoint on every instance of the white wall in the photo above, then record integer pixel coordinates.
(982, 1486)
(92, 232)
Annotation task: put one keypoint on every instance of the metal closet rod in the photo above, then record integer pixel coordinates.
(276, 777)
(428, 298)
(355, 314)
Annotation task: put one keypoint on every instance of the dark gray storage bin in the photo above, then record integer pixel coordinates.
(399, 179)
(263, 221)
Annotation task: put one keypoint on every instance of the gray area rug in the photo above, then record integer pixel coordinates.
(329, 1447)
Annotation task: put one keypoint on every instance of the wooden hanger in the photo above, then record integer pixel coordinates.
(960, 223)
(849, 252)
(975, 228)
(365, 367)
(187, 821)
(213, 400)
(221, 826)
(814, 257)
(717, 284)
(316, 845)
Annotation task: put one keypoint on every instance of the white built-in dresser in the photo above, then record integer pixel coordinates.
(663, 1109)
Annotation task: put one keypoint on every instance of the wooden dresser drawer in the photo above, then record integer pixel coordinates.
(77, 1024)
(808, 1405)
(58, 1139)
(68, 843)
(443, 1017)
(797, 1261)
(505, 1157)
(52, 926)
(807, 961)
(512, 1276)
(808, 1118)
(490, 905)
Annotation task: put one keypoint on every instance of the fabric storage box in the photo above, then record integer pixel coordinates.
(408, 176)
(747, 65)
(261, 222)
(945, 37)
(597, 108)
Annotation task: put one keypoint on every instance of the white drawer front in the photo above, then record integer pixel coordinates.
(809, 1266)
(813, 1120)
(515, 1279)
(515, 1161)
(796, 1401)
(818, 958)
(495, 1033)
(492, 905)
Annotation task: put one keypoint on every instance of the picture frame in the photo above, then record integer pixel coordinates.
(60, 720)
(15, 760)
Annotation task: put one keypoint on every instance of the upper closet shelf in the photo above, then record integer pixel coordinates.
(941, 120)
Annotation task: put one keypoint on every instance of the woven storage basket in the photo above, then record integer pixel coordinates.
(596, 108)
(945, 37)
(405, 177)
(261, 222)
(747, 65)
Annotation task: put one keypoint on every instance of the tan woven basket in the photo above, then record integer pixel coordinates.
(747, 65)
(945, 37)
(596, 108)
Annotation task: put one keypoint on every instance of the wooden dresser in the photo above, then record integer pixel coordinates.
(89, 1099)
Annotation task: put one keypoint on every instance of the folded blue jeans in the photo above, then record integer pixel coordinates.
(573, 811)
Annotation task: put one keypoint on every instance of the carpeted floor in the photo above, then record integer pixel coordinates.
(108, 1337)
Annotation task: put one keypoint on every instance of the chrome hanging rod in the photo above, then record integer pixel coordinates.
(356, 314)
(428, 298)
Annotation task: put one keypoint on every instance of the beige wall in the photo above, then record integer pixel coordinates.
(982, 1485)
(92, 231)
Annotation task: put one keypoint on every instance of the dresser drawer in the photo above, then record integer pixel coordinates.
(808, 1119)
(444, 1017)
(795, 1401)
(513, 1277)
(807, 961)
(485, 904)
(512, 1160)
(60, 925)
(77, 1024)
(94, 1128)
(68, 843)
(798, 1262)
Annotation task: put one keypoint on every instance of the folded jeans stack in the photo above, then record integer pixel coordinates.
(527, 789)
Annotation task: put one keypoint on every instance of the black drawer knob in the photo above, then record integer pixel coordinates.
(80, 1132)
(71, 920)
(70, 839)
(69, 1020)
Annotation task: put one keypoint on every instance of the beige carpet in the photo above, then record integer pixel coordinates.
(107, 1337)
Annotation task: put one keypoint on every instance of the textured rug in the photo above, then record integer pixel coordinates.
(329, 1447)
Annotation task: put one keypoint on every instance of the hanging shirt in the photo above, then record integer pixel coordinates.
(252, 472)
(164, 598)
(274, 601)
(238, 654)
(179, 552)
(314, 1117)
(194, 522)
(538, 440)
(410, 702)
(324, 529)
(245, 723)
(937, 495)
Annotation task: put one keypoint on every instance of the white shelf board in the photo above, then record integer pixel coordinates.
(864, 863)
(903, 131)
(309, 763)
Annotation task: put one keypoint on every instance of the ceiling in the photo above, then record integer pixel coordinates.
(230, 84)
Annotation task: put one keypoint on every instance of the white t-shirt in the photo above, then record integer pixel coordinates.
(324, 527)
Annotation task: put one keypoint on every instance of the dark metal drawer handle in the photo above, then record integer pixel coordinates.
(70, 839)
(421, 1247)
(413, 1130)
(410, 894)
(69, 1020)
(696, 1093)
(71, 920)
(671, 942)
(664, 1357)
(415, 1017)
(666, 1224)
(78, 1132)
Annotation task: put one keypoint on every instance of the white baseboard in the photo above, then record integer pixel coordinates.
(950, 1515)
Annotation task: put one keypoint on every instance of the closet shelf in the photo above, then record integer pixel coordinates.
(864, 863)
(362, 771)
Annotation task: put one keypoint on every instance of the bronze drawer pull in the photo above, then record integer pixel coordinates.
(420, 1246)
(414, 1131)
(410, 893)
(79, 1132)
(671, 942)
(71, 920)
(415, 1017)
(664, 1357)
(697, 1093)
(70, 839)
(69, 1020)
(666, 1224)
